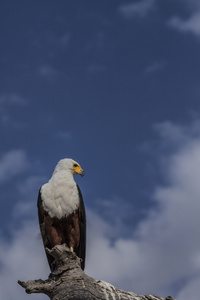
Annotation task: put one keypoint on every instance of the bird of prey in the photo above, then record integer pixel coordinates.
(61, 211)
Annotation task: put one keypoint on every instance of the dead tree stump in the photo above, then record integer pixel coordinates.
(69, 282)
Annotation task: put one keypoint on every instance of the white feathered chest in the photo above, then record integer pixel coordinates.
(60, 195)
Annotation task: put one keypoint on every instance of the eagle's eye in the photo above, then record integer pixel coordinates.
(75, 165)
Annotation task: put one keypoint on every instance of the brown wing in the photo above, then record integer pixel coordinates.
(46, 242)
(82, 226)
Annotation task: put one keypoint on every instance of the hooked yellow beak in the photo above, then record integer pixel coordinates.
(78, 170)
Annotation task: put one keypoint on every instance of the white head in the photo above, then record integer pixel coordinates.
(68, 164)
(60, 195)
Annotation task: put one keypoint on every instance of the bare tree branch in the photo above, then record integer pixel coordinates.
(69, 282)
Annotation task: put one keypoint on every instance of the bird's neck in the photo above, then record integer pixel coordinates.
(63, 175)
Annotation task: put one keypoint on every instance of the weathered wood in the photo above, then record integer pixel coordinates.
(69, 282)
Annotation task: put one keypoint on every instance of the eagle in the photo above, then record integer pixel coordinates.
(61, 211)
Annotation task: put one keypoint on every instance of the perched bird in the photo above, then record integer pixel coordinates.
(61, 211)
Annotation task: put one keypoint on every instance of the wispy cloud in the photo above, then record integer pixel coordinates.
(47, 72)
(51, 44)
(9, 102)
(64, 40)
(65, 135)
(140, 8)
(12, 163)
(191, 25)
(11, 99)
(155, 67)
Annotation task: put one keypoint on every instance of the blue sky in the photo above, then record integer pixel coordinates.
(114, 85)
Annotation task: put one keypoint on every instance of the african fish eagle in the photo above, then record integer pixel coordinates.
(61, 211)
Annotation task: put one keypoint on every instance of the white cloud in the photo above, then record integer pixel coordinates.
(21, 259)
(13, 163)
(140, 8)
(191, 25)
(165, 249)
(162, 257)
